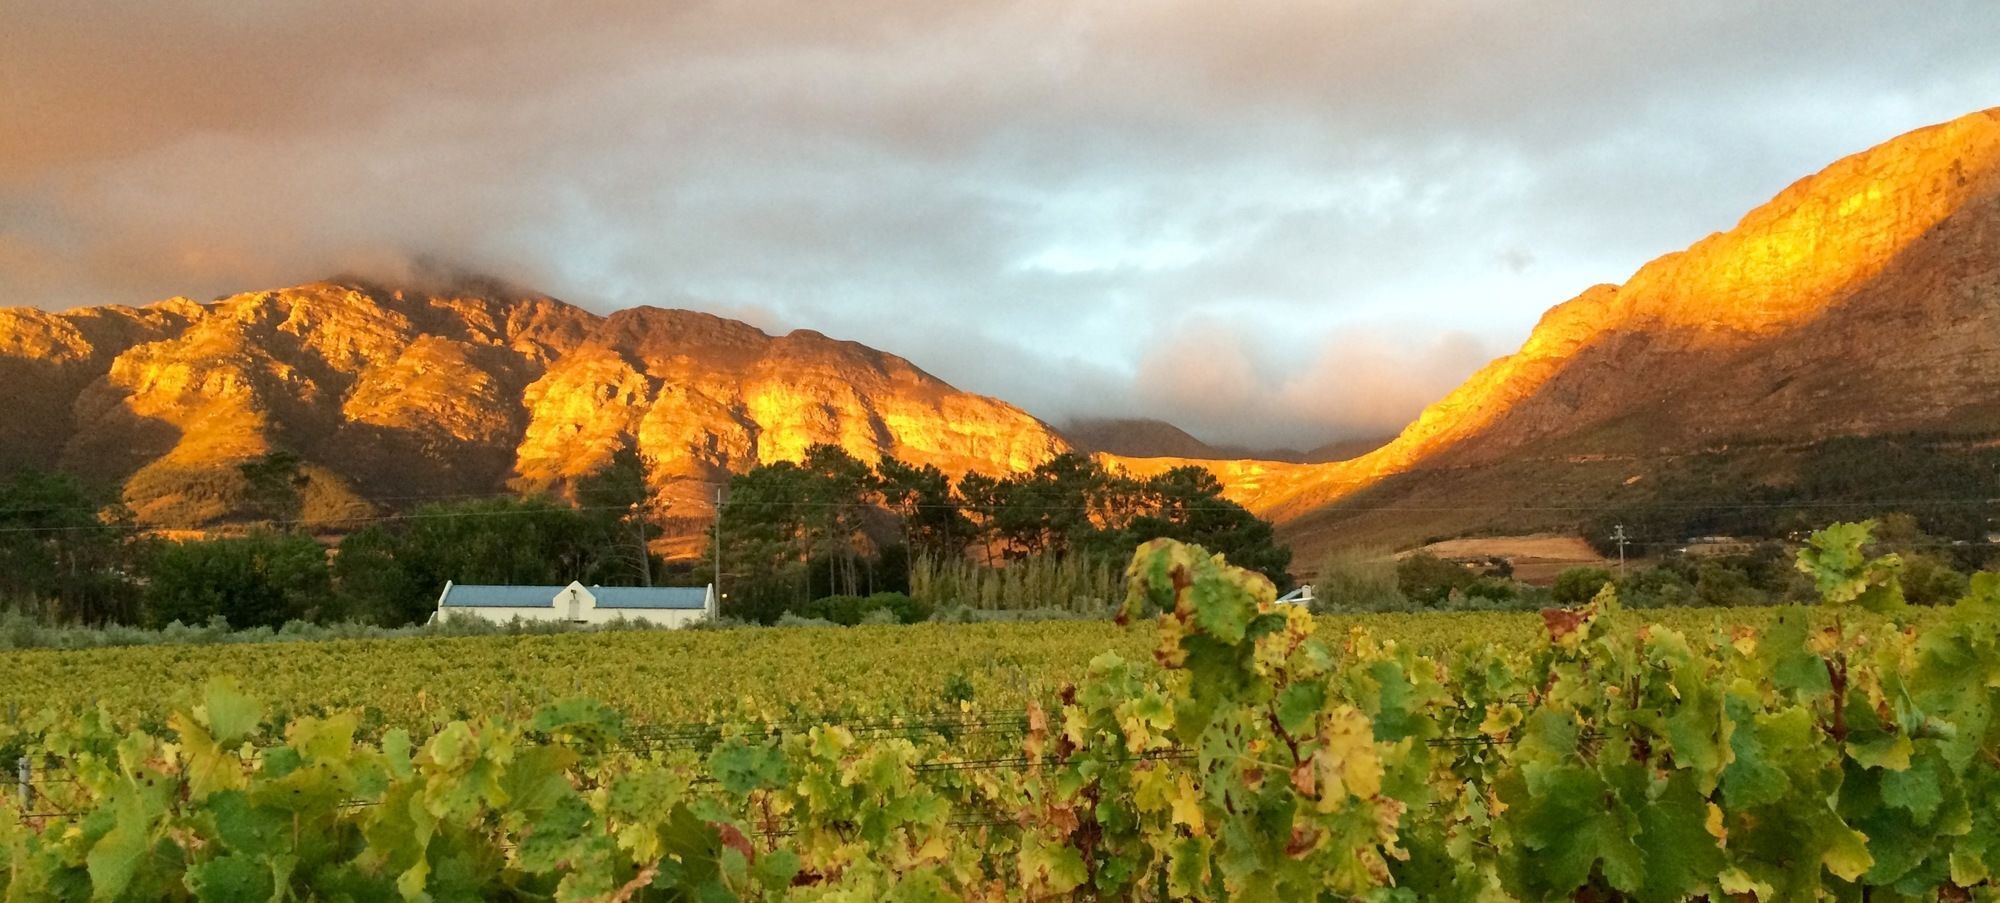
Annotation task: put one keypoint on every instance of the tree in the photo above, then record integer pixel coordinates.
(394, 574)
(817, 527)
(1717, 584)
(274, 486)
(1929, 580)
(982, 495)
(380, 581)
(1049, 509)
(260, 580)
(1656, 587)
(767, 541)
(1578, 585)
(840, 489)
(1428, 580)
(65, 550)
(933, 524)
(617, 498)
(1187, 504)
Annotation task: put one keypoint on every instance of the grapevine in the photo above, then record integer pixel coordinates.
(1228, 749)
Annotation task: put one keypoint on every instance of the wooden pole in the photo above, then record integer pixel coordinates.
(717, 579)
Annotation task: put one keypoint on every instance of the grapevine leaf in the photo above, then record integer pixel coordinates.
(776, 869)
(741, 767)
(232, 716)
(242, 826)
(114, 859)
(1843, 573)
(1298, 704)
(1793, 665)
(1756, 777)
(232, 878)
(1565, 823)
(1916, 789)
(1680, 854)
(1695, 726)
(587, 722)
(1053, 868)
(1881, 750)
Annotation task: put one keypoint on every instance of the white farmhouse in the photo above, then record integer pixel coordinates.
(667, 606)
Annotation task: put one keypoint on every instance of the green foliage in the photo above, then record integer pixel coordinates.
(1359, 580)
(1079, 583)
(62, 550)
(1841, 757)
(1576, 586)
(1428, 580)
(1929, 580)
(934, 526)
(615, 503)
(1657, 587)
(851, 610)
(1758, 492)
(392, 574)
(831, 525)
(1717, 584)
(260, 580)
(274, 487)
(1844, 574)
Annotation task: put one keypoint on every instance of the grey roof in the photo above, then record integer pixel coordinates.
(650, 596)
(461, 595)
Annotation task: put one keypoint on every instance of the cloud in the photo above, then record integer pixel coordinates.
(1231, 386)
(1048, 202)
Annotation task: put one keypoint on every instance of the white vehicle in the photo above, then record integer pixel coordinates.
(1301, 596)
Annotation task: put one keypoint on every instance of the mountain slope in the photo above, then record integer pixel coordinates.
(1138, 437)
(1861, 301)
(1141, 437)
(399, 394)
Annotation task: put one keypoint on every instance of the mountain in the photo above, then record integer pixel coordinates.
(395, 394)
(1136, 437)
(1863, 301)
(1338, 450)
(1143, 437)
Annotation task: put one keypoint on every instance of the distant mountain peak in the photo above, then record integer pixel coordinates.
(1146, 437)
(465, 385)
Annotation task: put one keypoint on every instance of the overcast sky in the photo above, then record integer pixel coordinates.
(1269, 222)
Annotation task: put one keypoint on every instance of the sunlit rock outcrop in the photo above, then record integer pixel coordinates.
(401, 394)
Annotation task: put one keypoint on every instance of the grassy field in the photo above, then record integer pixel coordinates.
(662, 676)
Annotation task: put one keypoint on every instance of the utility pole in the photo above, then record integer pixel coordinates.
(1618, 536)
(645, 555)
(718, 550)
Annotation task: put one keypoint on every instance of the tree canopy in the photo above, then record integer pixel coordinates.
(832, 524)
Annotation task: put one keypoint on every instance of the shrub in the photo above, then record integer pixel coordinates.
(852, 610)
(259, 580)
(1928, 580)
(1428, 580)
(1353, 580)
(1577, 586)
(1717, 584)
(1655, 588)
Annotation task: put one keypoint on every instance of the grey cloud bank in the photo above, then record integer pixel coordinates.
(1272, 223)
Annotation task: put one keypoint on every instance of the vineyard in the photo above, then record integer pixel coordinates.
(669, 677)
(1216, 748)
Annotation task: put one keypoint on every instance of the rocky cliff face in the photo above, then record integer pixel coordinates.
(393, 395)
(1863, 300)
